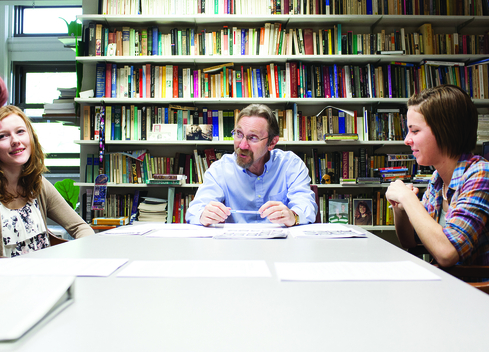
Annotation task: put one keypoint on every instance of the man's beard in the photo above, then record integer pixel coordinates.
(240, 161)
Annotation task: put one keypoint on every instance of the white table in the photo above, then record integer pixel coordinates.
(257, 314)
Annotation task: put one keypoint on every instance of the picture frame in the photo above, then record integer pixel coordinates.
(362, 212)
(339, 211)
(201, 132)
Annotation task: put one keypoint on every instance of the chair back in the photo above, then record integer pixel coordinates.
(314, 188)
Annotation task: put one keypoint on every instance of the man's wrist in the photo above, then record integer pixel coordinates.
(297, 221)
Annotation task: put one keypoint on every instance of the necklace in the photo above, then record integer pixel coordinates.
(444, 193)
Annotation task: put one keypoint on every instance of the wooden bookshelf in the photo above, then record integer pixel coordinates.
(357, 23)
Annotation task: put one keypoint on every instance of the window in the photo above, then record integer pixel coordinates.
(46, 21)
(36, 84)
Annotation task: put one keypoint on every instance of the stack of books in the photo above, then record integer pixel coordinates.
(390, 174)
(153, 209)
(422, 178)
(167, 179)
(64, 105)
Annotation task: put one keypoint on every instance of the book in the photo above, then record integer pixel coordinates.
(122, 220)
(341, 136)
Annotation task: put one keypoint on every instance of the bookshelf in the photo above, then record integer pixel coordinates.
(359, 24)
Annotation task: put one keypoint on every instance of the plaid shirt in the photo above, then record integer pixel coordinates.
(467, 225)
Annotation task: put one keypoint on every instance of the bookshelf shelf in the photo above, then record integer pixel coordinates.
(245, 59)
(409, 21)
(358, 24)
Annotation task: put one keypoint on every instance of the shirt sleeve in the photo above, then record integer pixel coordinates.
(300, 196)
(208, 191)
(60, 211)
(466, 219)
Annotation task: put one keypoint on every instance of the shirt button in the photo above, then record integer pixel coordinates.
(259, 196)
(258, 178)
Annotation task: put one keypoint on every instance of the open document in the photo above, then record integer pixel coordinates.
(26, 300)
(136, 229)
(325, 231)
(353, 271)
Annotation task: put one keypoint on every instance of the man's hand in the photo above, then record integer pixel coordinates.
(214, 213)
(277, 213)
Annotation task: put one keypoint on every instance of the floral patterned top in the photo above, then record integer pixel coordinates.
(23, 229)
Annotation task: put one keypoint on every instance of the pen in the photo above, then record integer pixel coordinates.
(245, 211)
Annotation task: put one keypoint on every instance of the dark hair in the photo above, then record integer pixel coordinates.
(31, 176)
(451, 115)
(264, 111)
(357, 209)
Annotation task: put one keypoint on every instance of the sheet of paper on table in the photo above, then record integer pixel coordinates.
(196, 268)
(324, 231)
(182, 230)
(354, 271)
(59, 266)
(137, 229)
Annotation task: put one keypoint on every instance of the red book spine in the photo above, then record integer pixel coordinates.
(175, 81)
(293, 80)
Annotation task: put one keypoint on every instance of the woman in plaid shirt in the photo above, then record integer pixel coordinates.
(451, 219)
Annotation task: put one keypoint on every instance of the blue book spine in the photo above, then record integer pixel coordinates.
(471, 92)
(369, 7)
(239, 92)
(258, 83)
(339, 38)
(106, 41)
(243, 44)
(114, 81)
(341, 122)
(215, 125)
(180, 134)
(100, 81)
(166, 115)
(336, 81)
(155, 41)
(296, 122)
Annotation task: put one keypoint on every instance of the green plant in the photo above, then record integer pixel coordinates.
(68, 191)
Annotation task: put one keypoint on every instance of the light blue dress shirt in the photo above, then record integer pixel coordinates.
(284, 179)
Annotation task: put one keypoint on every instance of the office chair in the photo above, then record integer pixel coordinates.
(463, 272)
(314, 188)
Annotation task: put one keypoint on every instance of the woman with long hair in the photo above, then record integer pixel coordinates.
(27, 199)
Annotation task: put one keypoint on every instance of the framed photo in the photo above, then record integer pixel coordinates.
(198, 132)
(362, 212)
(338, 212)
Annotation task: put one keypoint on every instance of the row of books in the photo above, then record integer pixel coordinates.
(324, 167)
(273, 39)
(355, 167)
(292, 80)
(344, 208)
(161, 123)
(295, 7)
(333, 207)
(173, 123)
(483, 128)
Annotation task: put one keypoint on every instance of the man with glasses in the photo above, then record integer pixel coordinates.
(256, 183)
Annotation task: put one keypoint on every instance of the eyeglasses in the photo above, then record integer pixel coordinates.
(252, 139)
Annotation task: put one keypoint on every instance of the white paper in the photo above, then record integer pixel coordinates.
(197, 268)
(182, 230)
(59, 267)
(137, 229)
(353, 271)
(325, 231)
